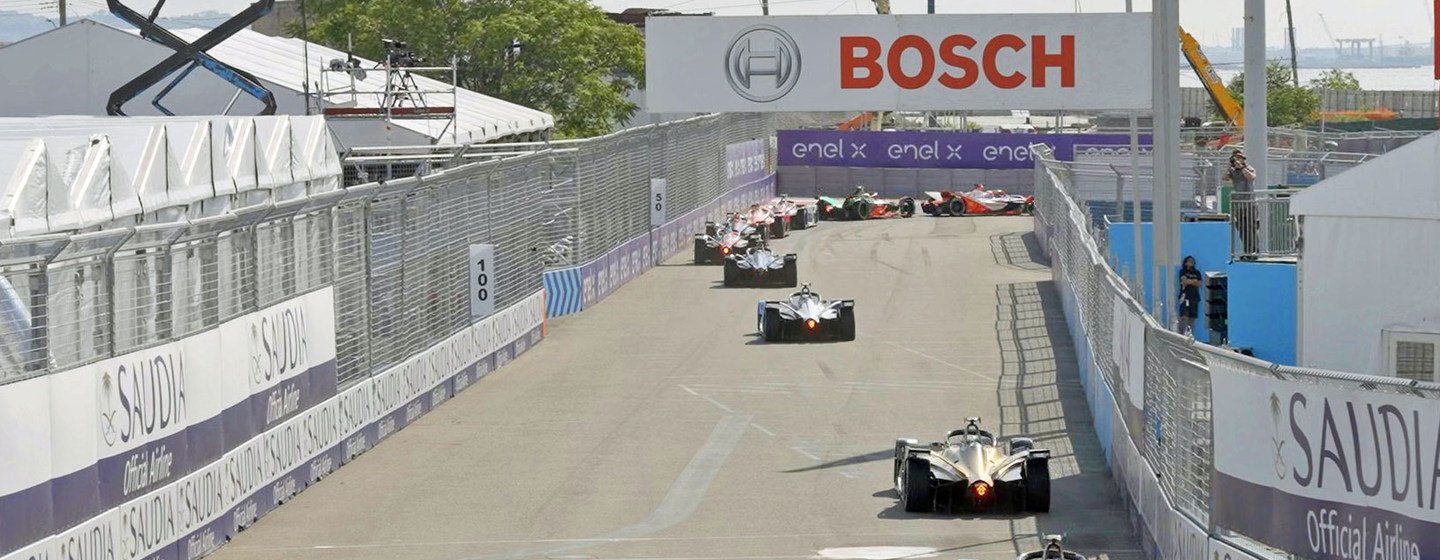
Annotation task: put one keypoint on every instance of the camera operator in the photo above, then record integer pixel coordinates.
(1242, 215)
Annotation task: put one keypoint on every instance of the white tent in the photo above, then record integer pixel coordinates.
(1369, 265)
(64, 174)
(73, 70)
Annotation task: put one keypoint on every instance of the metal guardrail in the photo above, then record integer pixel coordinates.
(396, 251)
(1163, 404)
(1263, 226)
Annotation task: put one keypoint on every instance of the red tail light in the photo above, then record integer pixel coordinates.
(810, 324)
(981, 490)
(724, 250)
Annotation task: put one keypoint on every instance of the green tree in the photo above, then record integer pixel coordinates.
(1336, 79)
(1286, 103)
(573, 61)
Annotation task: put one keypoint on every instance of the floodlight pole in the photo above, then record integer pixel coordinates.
(764, 7)
(1165, 152)
(1256, 135)
(62, 13)
(1135, 190)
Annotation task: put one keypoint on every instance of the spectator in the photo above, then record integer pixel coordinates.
(1189, 306)
(1242, 210)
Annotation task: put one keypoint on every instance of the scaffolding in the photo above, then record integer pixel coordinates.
(345, 92)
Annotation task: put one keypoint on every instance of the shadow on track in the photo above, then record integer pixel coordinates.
(1041, 396)
(1018, 250)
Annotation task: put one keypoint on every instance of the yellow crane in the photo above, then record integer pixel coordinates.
(1230, 108)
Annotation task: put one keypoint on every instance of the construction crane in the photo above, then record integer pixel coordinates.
(1232, 111)
(1339, 51)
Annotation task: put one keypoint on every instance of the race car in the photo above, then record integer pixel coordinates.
(720, 240)
(766, 221)
(1052, 551)
(971, 472)
(977, 202)
(805, 316)
(796, 213)
(759, 267)
(862, 205)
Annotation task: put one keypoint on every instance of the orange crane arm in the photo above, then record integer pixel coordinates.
(1231, 109)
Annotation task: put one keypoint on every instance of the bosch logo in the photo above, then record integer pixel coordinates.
(763, 63)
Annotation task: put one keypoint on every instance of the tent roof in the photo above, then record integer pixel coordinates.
(1404, 183)
(281, 60)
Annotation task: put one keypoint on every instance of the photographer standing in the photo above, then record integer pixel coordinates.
(1242, 211)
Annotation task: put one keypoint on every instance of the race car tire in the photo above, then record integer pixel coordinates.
(907, 207)
(777, 229)
(860, 210)
(702, 252)
(930, 209)
(847, 324)
(918, 496)
(792, 271)
(732, 273)
(1019, 444)
(801, 219)
(902, 452)
(956, 207)
(1037, 484)
(770, 325)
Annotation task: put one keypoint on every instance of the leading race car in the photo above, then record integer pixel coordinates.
(977, 202)
(971, 472)
(1052, 551)
(862, 205)
(760, 267)
(722, 239)
(805, 316)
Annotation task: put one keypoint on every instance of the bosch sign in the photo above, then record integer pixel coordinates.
(922, 62)
(861, 62)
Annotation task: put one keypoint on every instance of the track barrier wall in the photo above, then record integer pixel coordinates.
(1223, 456)
(165, 386)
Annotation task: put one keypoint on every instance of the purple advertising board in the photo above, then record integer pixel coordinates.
(930, 149)
(744, 163)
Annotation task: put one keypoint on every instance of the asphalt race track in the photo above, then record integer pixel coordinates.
(655, 425)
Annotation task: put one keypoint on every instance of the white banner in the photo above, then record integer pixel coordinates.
(196, 513)
(1325, 472)
(1219, 550)
(907, 62)
(1128, 348)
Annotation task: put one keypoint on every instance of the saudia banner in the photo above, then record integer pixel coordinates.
(931, 149)
(1326, 473)
(195, 513)
(120, 428)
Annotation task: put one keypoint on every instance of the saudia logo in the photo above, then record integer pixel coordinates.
(1351, 453)
(142, 397)
(278, 348)
(1357, 446)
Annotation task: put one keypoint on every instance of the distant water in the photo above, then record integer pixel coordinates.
(1421, 78)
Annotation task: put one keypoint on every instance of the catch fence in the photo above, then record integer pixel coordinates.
(250, 299)
(395, 251)
(1154, 396)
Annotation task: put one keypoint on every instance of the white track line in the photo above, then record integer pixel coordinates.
(718, 404)
(940, 361)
